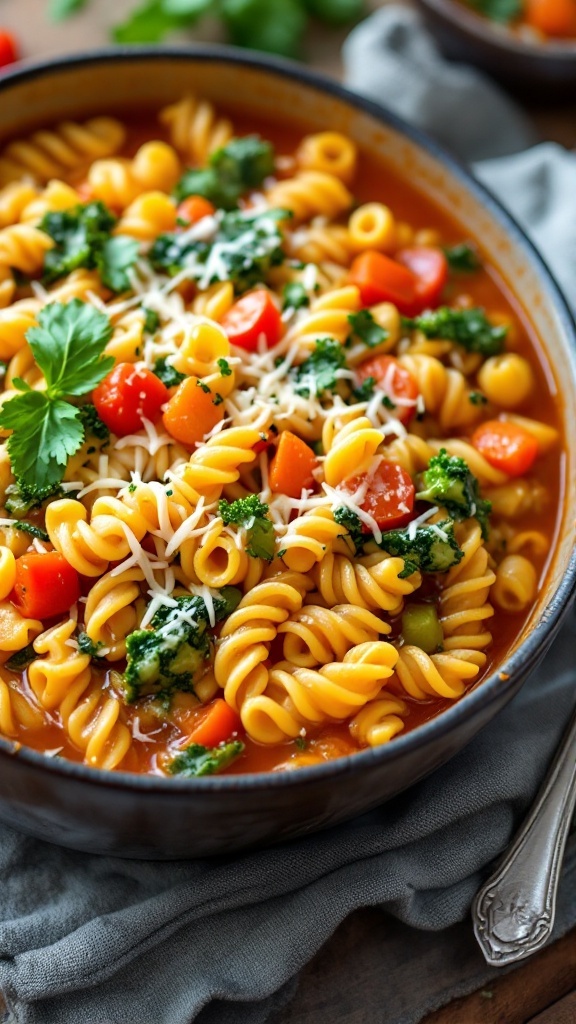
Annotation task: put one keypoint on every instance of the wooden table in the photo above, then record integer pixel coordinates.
(544, 990)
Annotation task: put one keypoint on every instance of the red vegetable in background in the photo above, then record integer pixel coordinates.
(255, 314)
(430, 268)
(8, 49)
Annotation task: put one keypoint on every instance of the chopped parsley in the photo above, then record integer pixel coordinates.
(294, 296)
(87, 646)
(469, 328)
(83, 238)
(344, 516)
(366, 329)
(196, 760)
(234, 169)
(167, 373)
(462, 257)
(318, 373)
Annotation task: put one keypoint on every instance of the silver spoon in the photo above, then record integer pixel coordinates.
(513, 913)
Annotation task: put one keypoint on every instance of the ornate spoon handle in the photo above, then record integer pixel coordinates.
(513, 913)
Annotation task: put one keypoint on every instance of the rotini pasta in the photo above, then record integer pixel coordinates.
(262, 505)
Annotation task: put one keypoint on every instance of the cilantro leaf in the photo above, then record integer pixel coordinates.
(68, 345)
(317, 374)
(261, 25)
(366, 329)
(148, 23)
(462, 257)
(116, 257)
(252, 514)
(46, 433)
(469, 328)
(233, 169)
(151, 320)
(93, 425)
(196, 760)
(365, 391)
(167, 373)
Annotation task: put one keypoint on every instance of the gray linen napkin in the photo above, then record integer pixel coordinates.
(88, 940)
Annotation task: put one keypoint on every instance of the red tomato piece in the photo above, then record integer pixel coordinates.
(8, 49)
(506, 446)
(195, 208)
(255, 315)
(381, 279)
(395, 381)
(126, 396)
(46, 585)
(389, 498)
(430, 268)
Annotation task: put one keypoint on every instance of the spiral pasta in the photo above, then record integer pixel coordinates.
(372, 582)
(47, 154)
(195, 129)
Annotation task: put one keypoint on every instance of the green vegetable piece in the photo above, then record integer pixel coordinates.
(224, 367)
(469, 328)
(431, 549)
(463, 257)
(503, 11)
(30, 528)
(336, 12)
(248, 245)
(172, 654)
(148, 23)
(21, 659)
(196, 760)
(21, 498)
(421, 627)
(365, 329)
(365, 391)
(449, 482)
(93, 425)
(234, 169)
(261, 25)
(83, 239)
(318, 373)
(67, 346)
(87, 646)
(477, 398)
(61, 9)
(252, 515)
(344, 516)
(295, 296)
(151, 320)
(167, 373)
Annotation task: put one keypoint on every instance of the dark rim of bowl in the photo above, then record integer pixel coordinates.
(528, 653)
(471, 22)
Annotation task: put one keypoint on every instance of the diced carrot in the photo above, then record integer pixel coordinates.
(254, 316)
(46, 585)
(506, 446)
(381, 279)
(395, 381)
(217, 725)
(192, 412)
(389, 498)
(555, 18)
(195, 208)
(292, 466)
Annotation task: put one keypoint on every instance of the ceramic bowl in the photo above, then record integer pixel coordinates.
(153, 817)
(536, 70)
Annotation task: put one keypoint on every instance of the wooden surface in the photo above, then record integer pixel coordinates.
(342, 984)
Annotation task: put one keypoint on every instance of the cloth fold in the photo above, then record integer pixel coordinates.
(88, 940)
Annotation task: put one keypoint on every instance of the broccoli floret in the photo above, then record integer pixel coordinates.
(197, 760)
(167, 373)
(21, 497)
(171, 655)
(87, 646)
(469, 328)
(318, 373)
(344, 516)
(449, 482)
(93, 425)
(240, 165)
(83, 238)
(251, 514)
(430, 549)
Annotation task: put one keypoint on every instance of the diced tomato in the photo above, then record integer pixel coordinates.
(396, 382)
(46, 585)
(217, 725)
(381, 279)
(292, 466)
(389, 498)
(430, 267)
(8, 49)
(506, 446)
(195, 208)
(126, 396)
(255, 315)
(556, 18)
